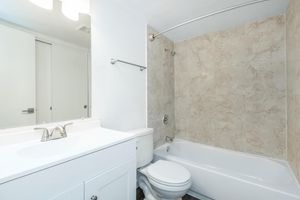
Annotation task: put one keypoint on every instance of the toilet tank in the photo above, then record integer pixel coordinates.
(144, 146)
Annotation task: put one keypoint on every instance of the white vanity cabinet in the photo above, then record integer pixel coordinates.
(107, 174)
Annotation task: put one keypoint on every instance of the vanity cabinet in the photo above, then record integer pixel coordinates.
(108, 174)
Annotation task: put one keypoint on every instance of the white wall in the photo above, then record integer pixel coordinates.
(118, 91)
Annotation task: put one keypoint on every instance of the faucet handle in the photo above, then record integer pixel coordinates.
(55, 130)
(46, 134)
(65, 128)
(169, 139)
(68, 124)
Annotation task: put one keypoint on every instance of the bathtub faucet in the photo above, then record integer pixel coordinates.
(169, 139)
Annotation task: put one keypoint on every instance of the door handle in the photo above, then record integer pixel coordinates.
(28, 111)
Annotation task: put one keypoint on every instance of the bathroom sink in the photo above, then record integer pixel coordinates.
(66, 146)
(24, 158)
(48, 149)
(17, 138)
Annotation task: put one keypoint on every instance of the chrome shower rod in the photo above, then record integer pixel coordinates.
(153, 36)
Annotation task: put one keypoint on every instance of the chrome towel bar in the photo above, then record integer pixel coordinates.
(114, 61)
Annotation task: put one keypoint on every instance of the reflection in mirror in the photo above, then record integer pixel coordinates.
(44, 61)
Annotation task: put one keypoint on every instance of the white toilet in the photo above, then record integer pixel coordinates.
(162, 180)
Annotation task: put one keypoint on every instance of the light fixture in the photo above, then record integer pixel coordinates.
(72, 8)
(46, 4)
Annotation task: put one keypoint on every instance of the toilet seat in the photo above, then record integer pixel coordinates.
(169, 188)
(165, 174)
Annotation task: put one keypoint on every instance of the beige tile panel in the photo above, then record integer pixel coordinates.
(230, 88)
(293, 69)
(160, 87)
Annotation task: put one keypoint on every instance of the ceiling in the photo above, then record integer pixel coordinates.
(51, 23)
(163, 14)
(160, 14)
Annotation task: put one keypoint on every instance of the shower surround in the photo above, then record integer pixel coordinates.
(238, 89)
(160, 81)
(230, 88)
(293, 69)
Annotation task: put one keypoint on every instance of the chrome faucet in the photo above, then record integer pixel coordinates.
(169, 139)
(61, 130)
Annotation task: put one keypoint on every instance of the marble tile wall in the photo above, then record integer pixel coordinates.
(293, 72)
(160, 87)
(230, 88)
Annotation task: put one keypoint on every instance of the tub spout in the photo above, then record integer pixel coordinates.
(169, 139)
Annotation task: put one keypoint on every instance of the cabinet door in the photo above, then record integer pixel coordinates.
(75, 193)
(115, 184)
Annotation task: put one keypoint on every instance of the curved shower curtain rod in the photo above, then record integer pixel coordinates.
(153, 36)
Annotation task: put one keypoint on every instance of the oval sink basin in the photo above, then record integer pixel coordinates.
(50, 148)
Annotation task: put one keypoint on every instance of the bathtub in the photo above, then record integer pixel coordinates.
(228, 175)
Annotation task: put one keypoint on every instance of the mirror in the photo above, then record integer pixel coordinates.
(44, 61)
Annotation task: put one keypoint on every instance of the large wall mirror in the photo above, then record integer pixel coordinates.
(44, 62)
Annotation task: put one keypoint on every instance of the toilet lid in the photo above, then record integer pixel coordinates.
(169, 173)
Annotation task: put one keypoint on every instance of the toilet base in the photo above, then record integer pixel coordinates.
(149, 193)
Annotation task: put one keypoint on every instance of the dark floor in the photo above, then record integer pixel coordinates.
(140, 196)
(188, 197)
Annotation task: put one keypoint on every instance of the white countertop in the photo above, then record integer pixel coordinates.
(21, 159)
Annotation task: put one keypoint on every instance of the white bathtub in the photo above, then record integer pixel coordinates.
(227, 175)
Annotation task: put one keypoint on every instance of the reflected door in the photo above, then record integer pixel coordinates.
(43, 82)
(62, 82)
(17, 78)
(69, 82)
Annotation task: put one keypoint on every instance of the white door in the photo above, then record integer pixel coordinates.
(17, 78)
(43, 82)
(69, 82)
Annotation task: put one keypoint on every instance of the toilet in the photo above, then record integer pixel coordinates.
(161, 180)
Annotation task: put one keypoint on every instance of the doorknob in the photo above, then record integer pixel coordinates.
(28, 111)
